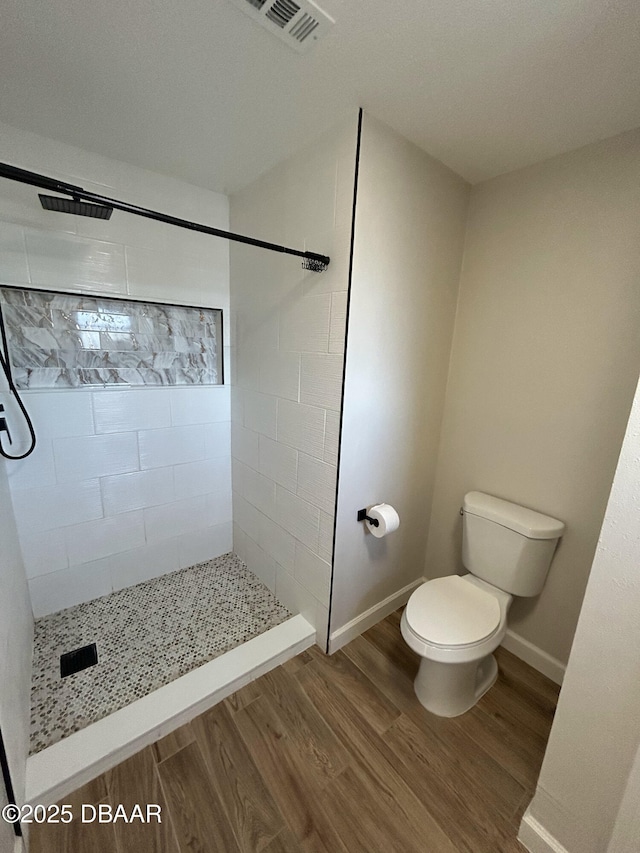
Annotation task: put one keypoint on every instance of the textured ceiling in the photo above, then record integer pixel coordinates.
(198, 90)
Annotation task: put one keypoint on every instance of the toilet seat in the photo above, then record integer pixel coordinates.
(451, 612)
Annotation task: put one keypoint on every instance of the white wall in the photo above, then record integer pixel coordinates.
(544, 365)
(288, 352)
(124, 484)
(625, 837)
(595, 734)
(409, 233)
(16, 641)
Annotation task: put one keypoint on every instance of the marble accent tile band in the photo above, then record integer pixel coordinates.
(59, 340)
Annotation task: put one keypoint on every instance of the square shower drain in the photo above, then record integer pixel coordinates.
(78, 659)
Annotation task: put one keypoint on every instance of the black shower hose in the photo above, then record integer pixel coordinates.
(6, 366)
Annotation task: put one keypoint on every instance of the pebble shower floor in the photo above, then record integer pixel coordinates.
(147, 635)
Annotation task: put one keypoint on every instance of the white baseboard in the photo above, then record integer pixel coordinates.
(536, 838)
(370, 617)
(60, 769)
(535, 657)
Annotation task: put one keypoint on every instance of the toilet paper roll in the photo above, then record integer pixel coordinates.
(387, 518)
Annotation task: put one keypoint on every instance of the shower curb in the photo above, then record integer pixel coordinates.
(61, 768)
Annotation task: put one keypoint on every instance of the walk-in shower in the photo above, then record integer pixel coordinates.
(176, 514)
(98, 649)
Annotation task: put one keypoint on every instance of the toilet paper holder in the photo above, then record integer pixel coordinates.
(362, 516)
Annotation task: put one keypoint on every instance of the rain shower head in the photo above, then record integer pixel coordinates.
(74, 205)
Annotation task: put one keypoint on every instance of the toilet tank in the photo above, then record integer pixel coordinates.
(507, 545)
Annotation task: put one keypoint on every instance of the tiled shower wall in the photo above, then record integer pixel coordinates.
(128, 485)
(124, 484)
(287, 379)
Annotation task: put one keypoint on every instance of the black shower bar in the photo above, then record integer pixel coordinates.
(312, 261)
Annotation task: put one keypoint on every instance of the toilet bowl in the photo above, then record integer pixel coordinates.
(455, 623)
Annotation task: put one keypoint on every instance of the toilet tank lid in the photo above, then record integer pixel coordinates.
(527, 522)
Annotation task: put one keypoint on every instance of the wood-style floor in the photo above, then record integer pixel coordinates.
(331, 755)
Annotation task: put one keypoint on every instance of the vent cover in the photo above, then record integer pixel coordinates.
(300, 23)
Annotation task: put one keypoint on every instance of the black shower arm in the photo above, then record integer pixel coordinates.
(13, 173)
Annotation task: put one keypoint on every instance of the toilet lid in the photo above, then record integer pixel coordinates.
(452, 612)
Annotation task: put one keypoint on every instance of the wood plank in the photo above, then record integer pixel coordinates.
(310, 736)
(389, 680)
(466, 807)
(513, 709)
(173, 742)
(519, 754)
(250, 807)
(519, 813)
(243, 697)
(285, 775)
(544, 704)
(395, 617)
(92, 837)
(94, 791)
(366, 821)
(199, 819)
(377, 710)
(294, 664)
(284, 842)
(537, 684)
(510, 845)
(135, 781)
(387, 638)
(372, 758)
(464, 760)
(316, 652)
(519, 700)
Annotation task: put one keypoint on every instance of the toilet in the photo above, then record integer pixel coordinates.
(455, 623)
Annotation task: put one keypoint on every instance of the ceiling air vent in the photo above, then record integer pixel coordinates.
(300, 23)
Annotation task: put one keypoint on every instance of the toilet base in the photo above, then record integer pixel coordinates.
(449, 690)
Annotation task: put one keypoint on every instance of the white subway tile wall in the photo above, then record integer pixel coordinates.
(301, 427)
(87, 456)
(172, 446)
(126, 492)
(279, 462)
(317, 482)
(130, 484)
(288, 363)
(57, 506)
(13, 259)
(321, 380)
(125, 506)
